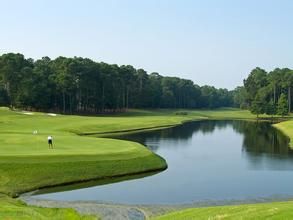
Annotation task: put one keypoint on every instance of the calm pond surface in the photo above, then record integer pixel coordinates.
(207, 160)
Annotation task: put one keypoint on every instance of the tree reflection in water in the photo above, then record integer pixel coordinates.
(258, 137)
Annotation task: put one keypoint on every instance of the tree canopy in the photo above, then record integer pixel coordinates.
(81, 85)
(266, 92)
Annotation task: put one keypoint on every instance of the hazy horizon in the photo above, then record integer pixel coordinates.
(210, 42)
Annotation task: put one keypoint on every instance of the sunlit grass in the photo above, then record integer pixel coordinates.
(26, 162)
(275, 210)
(14, 210)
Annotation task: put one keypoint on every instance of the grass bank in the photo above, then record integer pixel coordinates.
(275, 210)
(27, 164)
(287, 128)
(15, 209)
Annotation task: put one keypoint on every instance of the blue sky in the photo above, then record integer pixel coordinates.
(215, 42)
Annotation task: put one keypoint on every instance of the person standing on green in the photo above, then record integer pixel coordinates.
(50, 141)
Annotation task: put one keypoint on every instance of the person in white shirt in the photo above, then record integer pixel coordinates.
(50, 141)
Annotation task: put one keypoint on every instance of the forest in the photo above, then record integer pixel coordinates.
(266, 92)
(80, 85)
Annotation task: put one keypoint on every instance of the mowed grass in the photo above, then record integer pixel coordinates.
(287, 128)
(275, 210)
(15, 209)
(26, 162)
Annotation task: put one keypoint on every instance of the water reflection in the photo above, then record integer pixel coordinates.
(258, 137)
(207, 160)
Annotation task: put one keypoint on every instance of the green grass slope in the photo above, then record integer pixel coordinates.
(26, 162)
(14, 210)
(287, 128)
(276, 210)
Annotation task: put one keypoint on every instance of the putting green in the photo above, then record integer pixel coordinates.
(27, 163)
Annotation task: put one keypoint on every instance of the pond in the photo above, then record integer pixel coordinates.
(207, 161)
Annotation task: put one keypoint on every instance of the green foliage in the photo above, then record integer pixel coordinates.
(263, 91)
(257, 106)
(80, 85)
(256, 80)
(240, 97)
(282, 105)
(270, 108)
(4, 100)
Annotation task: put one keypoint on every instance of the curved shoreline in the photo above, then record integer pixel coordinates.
(112, 134)
(111, 210)
(105, 178)
(287, 131)
(147, 210)
(177, 121)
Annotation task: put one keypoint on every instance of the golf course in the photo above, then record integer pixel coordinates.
(83, 151)
(146, 110)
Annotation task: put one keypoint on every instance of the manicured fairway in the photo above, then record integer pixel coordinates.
(276, 210)
(26, 162)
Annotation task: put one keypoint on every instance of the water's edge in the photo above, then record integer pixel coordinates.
(112, 210)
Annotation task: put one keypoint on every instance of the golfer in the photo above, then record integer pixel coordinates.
(50, 141)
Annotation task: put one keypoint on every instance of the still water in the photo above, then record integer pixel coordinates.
(207, 160)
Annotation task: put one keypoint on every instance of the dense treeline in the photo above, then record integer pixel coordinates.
(80, 85)
(266, 92)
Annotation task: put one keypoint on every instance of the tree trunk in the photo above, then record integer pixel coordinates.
(289, 99)
(70, 103)
(127, 96)
(274, 94)
(103, 98)
(64, 102)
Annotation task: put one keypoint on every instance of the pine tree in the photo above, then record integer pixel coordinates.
(257, 106)
(270, 108)
(282, 105)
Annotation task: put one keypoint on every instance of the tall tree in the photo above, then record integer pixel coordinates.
(257, 106)
(256, 80)
(282, 105)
